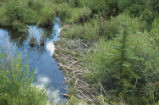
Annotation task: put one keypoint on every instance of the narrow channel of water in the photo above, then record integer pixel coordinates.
(39, 48)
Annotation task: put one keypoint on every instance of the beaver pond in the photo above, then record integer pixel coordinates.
(38, 47)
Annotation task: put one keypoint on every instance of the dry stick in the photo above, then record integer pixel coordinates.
(68, 67)
(76, 82)
(83, 82)
(84, 95)
(77, 73)
(102, 88)
(83, 86)
(61, 65)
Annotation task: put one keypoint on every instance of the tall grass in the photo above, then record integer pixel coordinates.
(88, 31)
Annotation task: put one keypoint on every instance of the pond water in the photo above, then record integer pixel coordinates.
(39, 56)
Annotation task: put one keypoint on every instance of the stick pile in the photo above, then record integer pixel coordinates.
(68, 53)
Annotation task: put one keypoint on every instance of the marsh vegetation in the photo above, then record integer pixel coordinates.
(119, 59)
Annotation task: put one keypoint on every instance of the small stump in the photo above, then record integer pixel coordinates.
(42, 42)
(33, 42)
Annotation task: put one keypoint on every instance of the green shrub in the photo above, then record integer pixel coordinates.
(109, 28)
(35, 4)
(15, 13)
(73, 101)
(134, 24)
(155, 5)
(18, 26)
(98, 6)
(15, 9)
(47, 14)
(83, 3)
(41, 12)
(71, 15)
(148, 16)
(63, 11)
(31, 17)
(16, 83)
(79, 15)
(105, 7)
(125, 65)
(106, 29)
(155, 25)
(101, 100)
(88, 31)
(18, 13)
(4, 20)
(154, 32)
(124, 4)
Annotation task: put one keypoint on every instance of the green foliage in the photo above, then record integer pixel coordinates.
(110, 28)
(15, 83)
(88, 31)
(71, 15)
(35, 4)
(13, 14)
(155, 32)
(47, 14)
(73, 3)
(15, 10)
(79, 15)
(63, 11)
(148, 16)
(4, 20)
(98, 27)
(104, 101)
(155, 5)
(125, 65)
(123, 4)
(18, 13)
(73, 101)
(106, 7)
(101, 100)
(155, 26)
(124, 59)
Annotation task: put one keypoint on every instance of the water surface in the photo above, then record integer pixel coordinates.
(40, 58)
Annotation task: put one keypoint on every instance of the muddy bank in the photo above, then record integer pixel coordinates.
(69, 53)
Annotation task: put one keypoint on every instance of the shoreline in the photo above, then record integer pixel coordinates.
(68, 53)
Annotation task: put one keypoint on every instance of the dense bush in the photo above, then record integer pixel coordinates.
(155, 5)
(15, 83)
(105, 7)
(155, 32)
(79, 15)
(108, 29)
(15, 10)
(88, 31)
(18, 13)
(126, 65)
(62, 12)
(4, 20)
(124, 59)
(12, 14)
(100, 99)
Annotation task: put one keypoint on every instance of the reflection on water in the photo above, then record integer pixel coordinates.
(35, 32)
(40, 58)
(56, 30)
(50, 47)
